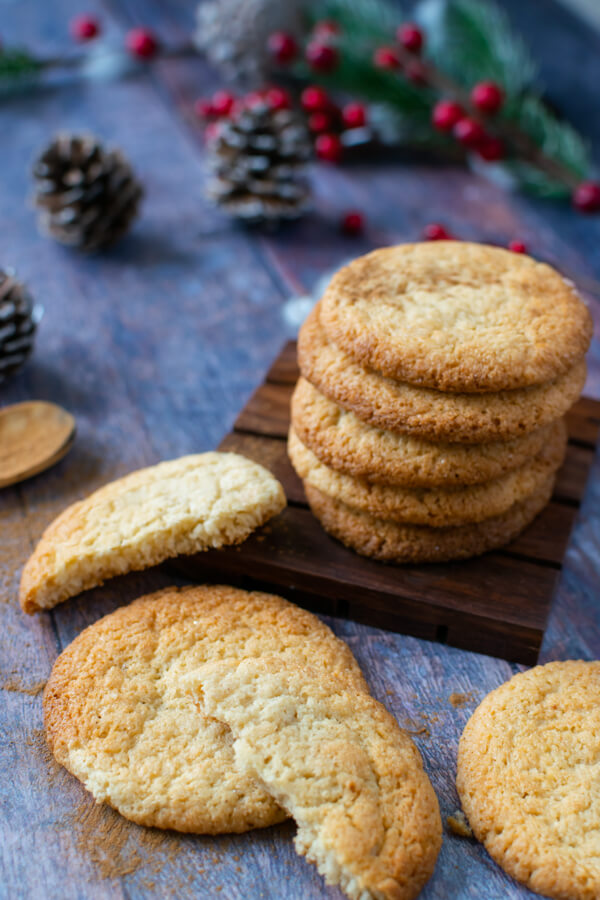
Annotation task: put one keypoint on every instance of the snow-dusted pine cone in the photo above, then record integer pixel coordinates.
(86, 196)
(259, 165)
(233, 34)
(18, 321)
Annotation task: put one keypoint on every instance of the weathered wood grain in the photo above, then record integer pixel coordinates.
(155, 347)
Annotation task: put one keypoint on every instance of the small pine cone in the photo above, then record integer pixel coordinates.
(259, 164)
(87, 196)
(18, 322)
(233, 34)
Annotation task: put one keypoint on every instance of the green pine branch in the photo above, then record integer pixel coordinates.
(17, 67)
(467, 41)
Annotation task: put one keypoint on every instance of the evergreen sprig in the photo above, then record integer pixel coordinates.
(17, 67)
(467, 41)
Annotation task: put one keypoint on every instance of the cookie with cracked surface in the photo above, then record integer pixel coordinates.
(183, 506)
(398, 542)
(353, 780)
(116, 717)
(437, 507)
(528, 775)
(457, 316)
(344, 442)
(433, 415)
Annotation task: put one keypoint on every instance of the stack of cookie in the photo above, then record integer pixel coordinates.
(428, 423)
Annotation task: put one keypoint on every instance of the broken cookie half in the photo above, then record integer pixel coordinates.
(199, 502)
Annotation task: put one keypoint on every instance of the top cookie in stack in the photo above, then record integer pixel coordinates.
(428, 423)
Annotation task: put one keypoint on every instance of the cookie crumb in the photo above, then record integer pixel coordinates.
(457, 824)
(458, 700)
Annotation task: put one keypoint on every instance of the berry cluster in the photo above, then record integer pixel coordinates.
(140, 42)
(467, 117)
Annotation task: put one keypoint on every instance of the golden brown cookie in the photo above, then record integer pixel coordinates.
(529, 775)
(117, 718)
(434, 415)
(367, 815)
(457, 316)
(395, 542)
(182, 506)
(436, 507)
(344, 442)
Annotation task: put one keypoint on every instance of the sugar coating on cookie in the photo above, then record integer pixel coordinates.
(438, 506)
(183, 506)
(354, 782)
(529, 778)
(426, 413)
(400, 542)
(116, 715)
(457, 316)
(344, 442)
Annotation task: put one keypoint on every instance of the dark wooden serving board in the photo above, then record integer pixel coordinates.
(496, 604)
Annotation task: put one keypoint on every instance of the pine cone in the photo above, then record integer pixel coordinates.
(259, 161)
(233, 34)
(87, 196)
(18, 322)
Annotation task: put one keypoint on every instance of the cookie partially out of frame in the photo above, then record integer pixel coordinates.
(402, 543)
(117, 718)
(529, 775)
(439, 506)
(457, 316)
(344, 442)
(182, 506)
(354, 782)
(426, 413)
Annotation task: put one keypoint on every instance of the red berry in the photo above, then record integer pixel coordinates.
(354, 115)
(204, 108)
(386, 58)
(253, 98)
(326, 29)
(517, 247)
(410, 37)
(491, 150)
(328, 147)
(469, 132)
(141, 43)
(436, 232)
(352, 223)
(487, 96)
(586, 197)
(277, 98)
(282, 47)
(319, 122)
(314, 99)
(222, 103)
(84, 28)
(321, 57)
(416, 72)
(446, 114)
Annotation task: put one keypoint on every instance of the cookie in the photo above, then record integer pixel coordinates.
(401, 543)
(433, 415)
(344, 442)
(436, 507)
(367, 815)
(183, 506)
(456, 316)
(116, 716)
(528, 776)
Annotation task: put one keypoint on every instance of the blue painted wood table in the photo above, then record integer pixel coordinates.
(155, 347)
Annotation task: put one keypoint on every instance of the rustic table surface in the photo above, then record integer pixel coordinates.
(154, 347)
